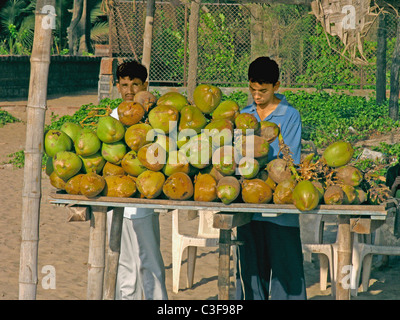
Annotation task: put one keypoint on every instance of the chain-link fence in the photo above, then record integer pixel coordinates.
(230, 36)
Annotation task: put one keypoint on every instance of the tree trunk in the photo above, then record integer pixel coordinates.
(84, 30)
(148, 35)
(79, 29)
(394, 78)
(31, 193)
(381, 61)
(193, 50)
(73, 33)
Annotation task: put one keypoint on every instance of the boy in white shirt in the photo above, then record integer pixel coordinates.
(141, 271)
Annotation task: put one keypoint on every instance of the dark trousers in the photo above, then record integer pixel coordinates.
(269, 263)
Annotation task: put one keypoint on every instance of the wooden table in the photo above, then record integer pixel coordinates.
(227, 218)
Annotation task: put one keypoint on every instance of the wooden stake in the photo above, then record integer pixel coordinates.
(344, 258)
(96, 261)
(224, 264)
(193, 52)
(148, 35)
(36, 109)
(113, 251)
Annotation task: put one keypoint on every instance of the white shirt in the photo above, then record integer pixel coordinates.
(130, 212)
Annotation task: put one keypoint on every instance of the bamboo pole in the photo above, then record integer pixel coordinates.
(113, 251)
(31, 193)
(96, 261)
(148, 35)
(193, 50)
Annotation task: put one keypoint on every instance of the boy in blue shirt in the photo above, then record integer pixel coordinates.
(270, 262)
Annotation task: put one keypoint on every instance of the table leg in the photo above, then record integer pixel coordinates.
(344, 258)
(113, 250)
(97, 240)
(224, 264)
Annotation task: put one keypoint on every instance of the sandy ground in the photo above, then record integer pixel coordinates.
(64, 245)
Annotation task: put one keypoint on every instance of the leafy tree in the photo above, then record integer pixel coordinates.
(17, 22)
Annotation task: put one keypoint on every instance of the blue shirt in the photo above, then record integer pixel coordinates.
(288, 118)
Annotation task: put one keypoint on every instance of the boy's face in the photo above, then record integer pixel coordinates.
(129, 87)
(263, 94)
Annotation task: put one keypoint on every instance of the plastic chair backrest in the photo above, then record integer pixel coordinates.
(206, 229)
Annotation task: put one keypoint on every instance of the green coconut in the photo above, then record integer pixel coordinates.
(137, 135)
(66, 164)
(227, 109)
(256, 191)
(113, 152)
(191, 117)
(56, 141)
(131, 164)
(228, 189)
(174, 99)
(121, 186)
(338, 154)
(176, 162)
(92, 184)
(87, 143)
(110, 130)
(71, 129)
(150, 183)
(349, 175)
(334, 195)
(93, 163)
(207, 97)
(164, 118)
(283, 193)
(248, 167)
(305, 196)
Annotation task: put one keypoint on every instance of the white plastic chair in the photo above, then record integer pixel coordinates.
(207, 236)
(363, 250)
(314, 226)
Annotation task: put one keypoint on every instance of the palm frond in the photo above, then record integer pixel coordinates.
(99, 32)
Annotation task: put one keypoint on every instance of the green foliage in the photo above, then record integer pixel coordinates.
(221, 60)
(326, 68)
(6, 117)
(17, 159)
(330, 117)
(239, 96)
(86, 115)
(17, 23)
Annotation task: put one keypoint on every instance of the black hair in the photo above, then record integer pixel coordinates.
(263, 70)
(132, 69)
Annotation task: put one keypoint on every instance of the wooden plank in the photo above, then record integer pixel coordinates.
(364, 225)
(227, 221)
(273, 209)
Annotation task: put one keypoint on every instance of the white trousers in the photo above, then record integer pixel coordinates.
(141, 272)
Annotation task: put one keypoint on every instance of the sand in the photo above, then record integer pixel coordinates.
(63, 246)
